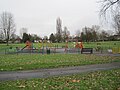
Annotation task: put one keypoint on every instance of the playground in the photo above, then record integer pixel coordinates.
(52, 55)
(44, 47)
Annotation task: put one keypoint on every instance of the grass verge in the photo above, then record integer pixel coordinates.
(99, 80)
(35, 61)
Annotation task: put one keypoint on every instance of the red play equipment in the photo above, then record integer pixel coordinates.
(79, 45)
(28, 45)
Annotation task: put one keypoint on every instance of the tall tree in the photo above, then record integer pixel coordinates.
(35, 38)
(58, 26)
(52, 38)
(25, 37)
(59, 30)
(7, 25)
(88, 34)
(66, 34)
(95, 29)
(83, 36)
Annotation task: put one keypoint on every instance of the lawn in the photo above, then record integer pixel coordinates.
(99, 80)
(36, 61)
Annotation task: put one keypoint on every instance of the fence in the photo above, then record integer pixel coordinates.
(11, 50)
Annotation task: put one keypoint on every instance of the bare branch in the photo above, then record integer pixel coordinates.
(108, 4)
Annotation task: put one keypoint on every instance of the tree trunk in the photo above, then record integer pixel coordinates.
(7, 42)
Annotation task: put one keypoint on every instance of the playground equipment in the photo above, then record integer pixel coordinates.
(66, 46)
(45, 44)
(47, 48)
(28, 45)
(79, 45)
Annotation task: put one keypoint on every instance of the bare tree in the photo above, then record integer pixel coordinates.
(95, 29)
(87, 33)
(1, 35)
(116, 23)
(103, 35)
(65, 34)
(108, 6)
(7, 25)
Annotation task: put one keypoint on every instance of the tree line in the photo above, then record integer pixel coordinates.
(87, 34)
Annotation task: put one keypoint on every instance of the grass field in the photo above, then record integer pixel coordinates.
(35, 61)
(99, 80)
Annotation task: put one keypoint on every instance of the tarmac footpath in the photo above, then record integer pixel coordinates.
(44, 73)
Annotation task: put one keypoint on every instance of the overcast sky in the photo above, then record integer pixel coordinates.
(39, 16)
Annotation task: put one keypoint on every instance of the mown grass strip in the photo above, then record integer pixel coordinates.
(35, 61)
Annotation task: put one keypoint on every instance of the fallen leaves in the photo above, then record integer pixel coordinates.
(75, 81)
(21, 86)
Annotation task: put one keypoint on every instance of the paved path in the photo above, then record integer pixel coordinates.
(42, 73)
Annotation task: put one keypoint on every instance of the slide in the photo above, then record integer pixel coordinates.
(24, 47)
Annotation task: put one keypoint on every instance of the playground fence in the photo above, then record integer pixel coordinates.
(10, 50)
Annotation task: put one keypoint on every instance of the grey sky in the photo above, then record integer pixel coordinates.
(39, 16)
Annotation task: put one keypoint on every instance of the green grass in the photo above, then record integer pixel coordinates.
(35, 61)
(99, 80)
